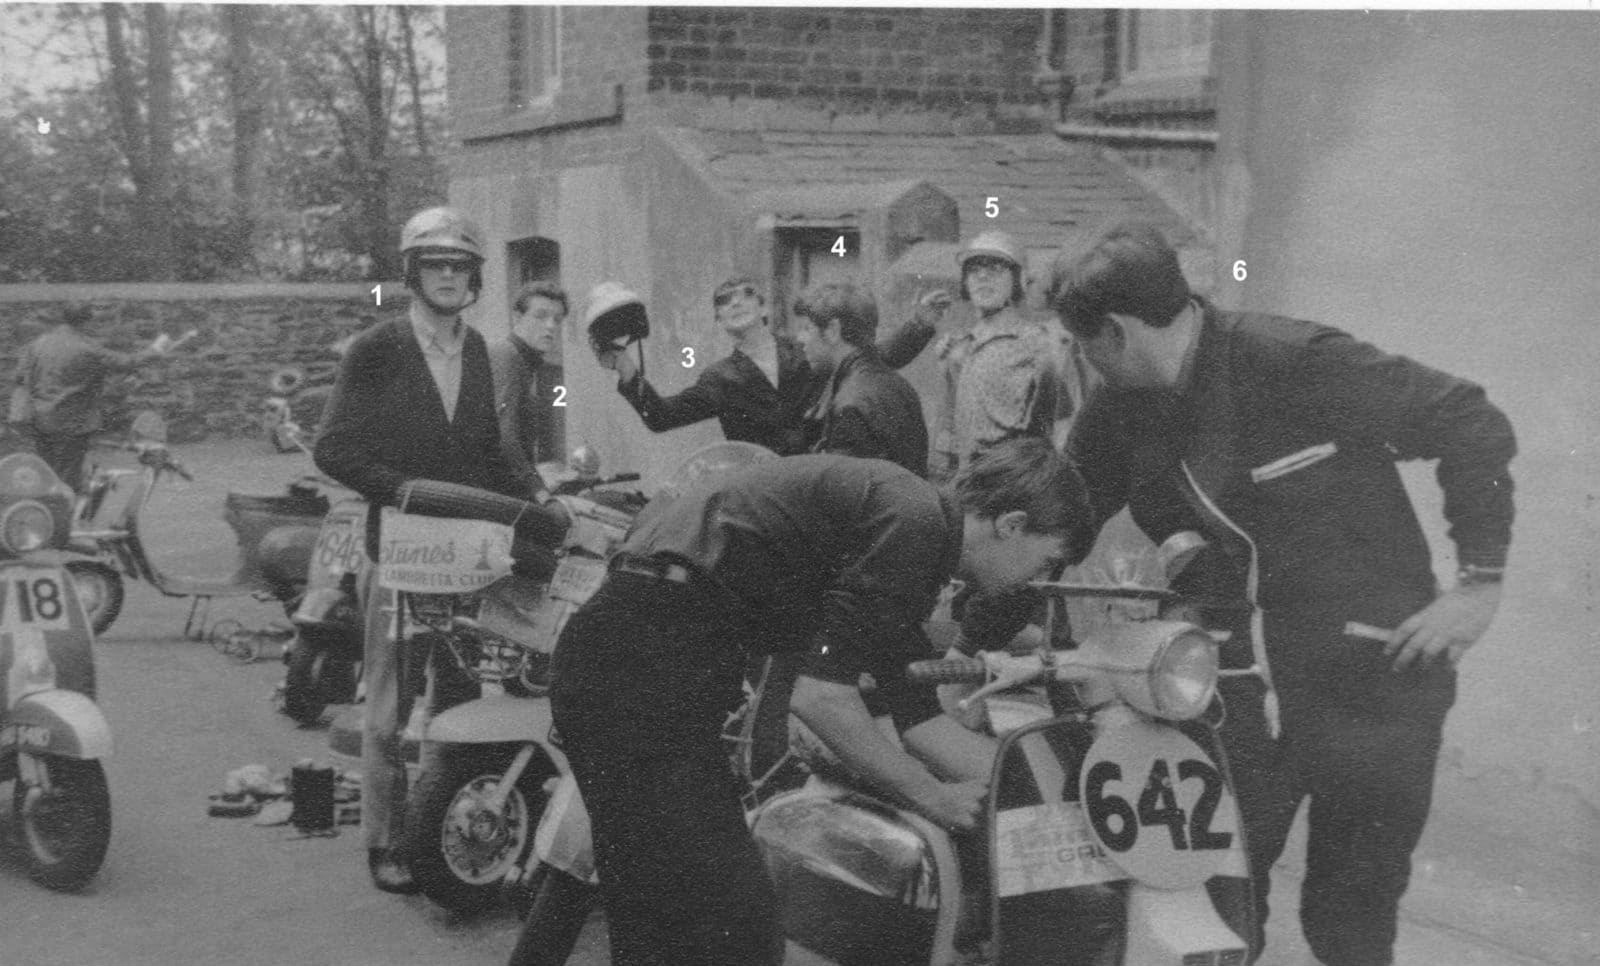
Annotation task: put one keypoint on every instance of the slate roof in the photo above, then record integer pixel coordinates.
(1050, 191)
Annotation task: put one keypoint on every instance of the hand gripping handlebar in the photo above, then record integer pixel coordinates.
(545, 525)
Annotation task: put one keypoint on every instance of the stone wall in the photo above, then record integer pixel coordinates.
(215, 384)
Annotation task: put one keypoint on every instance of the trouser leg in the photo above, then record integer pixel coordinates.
(643, 678)
(64, 455)
(1371, 789)
(682, 882)
(1265, 785)
(383, 769)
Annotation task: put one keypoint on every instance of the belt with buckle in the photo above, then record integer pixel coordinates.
(662, 570)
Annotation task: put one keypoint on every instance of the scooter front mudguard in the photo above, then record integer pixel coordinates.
(56, 722)
(497, 718)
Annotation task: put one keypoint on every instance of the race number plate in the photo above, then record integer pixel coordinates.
(577, 578)
(341, 542)
(34, 597)
(441, 555)
(1159, 805)
(1049, 846)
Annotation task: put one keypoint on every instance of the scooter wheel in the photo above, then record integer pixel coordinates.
(63, 833)
(460, 849)
(100, 591)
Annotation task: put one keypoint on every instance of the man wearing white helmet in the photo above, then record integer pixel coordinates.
(414, 400)
(760, 393)
(1004, 377)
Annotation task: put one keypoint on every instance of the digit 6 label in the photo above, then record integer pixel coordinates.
(1159, 805)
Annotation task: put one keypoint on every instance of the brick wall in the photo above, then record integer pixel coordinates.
(849, 60)
(602, 68)
(215, 384)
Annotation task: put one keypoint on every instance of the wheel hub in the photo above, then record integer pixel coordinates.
(478, 841)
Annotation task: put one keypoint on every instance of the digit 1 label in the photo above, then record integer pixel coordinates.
(991, 207)
(561, 397)
(377, 294)
(838, 247)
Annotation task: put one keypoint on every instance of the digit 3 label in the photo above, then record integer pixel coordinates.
(1159, 805)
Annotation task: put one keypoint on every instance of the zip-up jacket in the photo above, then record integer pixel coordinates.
(1284, 443)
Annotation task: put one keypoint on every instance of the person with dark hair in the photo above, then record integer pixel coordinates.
(521, 369)
(866, 409)
(760, 393)
(60, 389)
(839, 559)
(1277, 440)
(1005, 376)
(414, 399)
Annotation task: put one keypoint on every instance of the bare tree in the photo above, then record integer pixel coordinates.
(413, 80)
(248, 112)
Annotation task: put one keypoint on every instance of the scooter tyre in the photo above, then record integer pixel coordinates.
(443, 872)
(100, 589)
(62, 836)
(561, 905)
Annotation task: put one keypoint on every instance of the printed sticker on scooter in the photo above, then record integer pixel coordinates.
(30, 597)
(1159, 805)
(1045, 847)
(441, 555)
(577, 578)
(340, 543)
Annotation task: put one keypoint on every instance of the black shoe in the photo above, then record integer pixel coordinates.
(389, 873)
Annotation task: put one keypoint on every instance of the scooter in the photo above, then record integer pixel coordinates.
(53, 738)
(276, 533)
(1112, 835)
(470, 824)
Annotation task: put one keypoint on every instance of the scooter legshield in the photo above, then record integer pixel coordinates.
(1060, 896)
(56, 722)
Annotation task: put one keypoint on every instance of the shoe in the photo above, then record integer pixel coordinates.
(389, 873)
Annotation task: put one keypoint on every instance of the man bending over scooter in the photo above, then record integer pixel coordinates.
(839, 558)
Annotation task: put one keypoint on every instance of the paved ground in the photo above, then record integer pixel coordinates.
(180, 888)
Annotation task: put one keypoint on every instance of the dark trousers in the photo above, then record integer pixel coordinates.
(643, 678)
(1360, 743)
(64, 454)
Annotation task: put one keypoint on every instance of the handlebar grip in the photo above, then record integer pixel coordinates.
(437, 498)
(949, 670)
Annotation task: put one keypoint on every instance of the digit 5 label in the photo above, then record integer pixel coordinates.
(1159, 805)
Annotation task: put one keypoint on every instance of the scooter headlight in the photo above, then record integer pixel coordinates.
(26, 525)
(1183, 676)
(1165, 669)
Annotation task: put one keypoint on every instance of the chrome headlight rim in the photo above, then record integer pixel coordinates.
(22, 513)
(1172, 675)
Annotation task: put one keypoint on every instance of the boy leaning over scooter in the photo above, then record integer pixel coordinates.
(840, 559)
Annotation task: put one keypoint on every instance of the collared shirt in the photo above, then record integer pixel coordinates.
(840, 558)
(443, 355)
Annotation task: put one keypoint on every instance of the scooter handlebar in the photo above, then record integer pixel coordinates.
(949, 670)
(546, 524)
